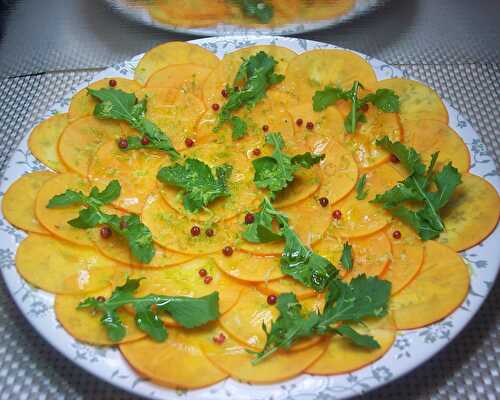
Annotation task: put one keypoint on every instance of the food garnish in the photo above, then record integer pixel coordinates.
(137, 235)
(361, 193)
(297, 260)
(384, 99)
(346, 258)
(416, 188)
(346, 303)
(119, 105)
(275, 172)
(254, 77)
(200, 185)
(188, 311)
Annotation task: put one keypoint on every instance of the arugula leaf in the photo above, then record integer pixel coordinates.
(239, 126)
(302, 264)
(261, 229)
(187, 311)
(119, 105)
(346, 302)
(384, 99)
(275, 172)
(416, 189)
(257, 9)
(138, 235)
(346, 258)
(297, 260)
(289, 327)
(361, 193)
(197, 180)
(363, 297)
(322, 99)
(254, 77)
(358, 339)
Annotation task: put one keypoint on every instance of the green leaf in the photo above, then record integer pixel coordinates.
(425, 220)
(119, 105)
(138, 235)
(307, 160)
(108, 195)
(322, 99)
(363, 297)
(275, 172)
(260, 10)
(358, 339)
(239, 127)
(87, 218)
(254, 77)
(69, 197)
(192, 312)
(408, 156)
(261, 229)
(346, 258)
(289, 327)
(200, 185)
(305, 266)
(187, 311)
(361, 193)
(384, 99)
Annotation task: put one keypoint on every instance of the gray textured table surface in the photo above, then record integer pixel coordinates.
(451, 45)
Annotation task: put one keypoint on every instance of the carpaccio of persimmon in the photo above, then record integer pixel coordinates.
(211, 196)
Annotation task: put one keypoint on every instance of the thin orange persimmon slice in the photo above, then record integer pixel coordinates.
(81, 140)
(173, 230)
(172, 53)
(61, 267)
(472, 213)
(233, 358)
(135, 170)
(18, 203)
(44, 138)
(342, 356)
(438, 290)
(407, 256)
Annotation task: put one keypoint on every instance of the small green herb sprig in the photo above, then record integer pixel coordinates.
(254, 77)
(137, 235)
(275, 172)
(346, 303)
(119, 105)
(200, 185)
(417, 189)
(187, 311)
(384, 99)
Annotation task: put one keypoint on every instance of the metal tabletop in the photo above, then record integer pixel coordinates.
(48, 45)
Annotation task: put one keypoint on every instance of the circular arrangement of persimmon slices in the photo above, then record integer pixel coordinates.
(183, 82)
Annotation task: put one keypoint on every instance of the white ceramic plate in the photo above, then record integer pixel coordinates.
(410, 350)
(140, 14)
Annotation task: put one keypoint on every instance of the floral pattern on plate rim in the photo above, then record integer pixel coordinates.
(410, 349)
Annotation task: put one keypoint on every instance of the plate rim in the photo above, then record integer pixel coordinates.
(302, 44)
